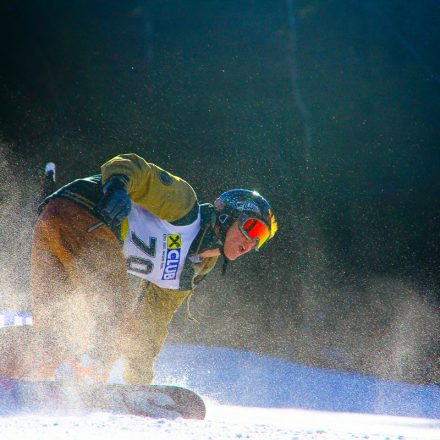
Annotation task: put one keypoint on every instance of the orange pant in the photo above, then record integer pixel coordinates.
(82, 302)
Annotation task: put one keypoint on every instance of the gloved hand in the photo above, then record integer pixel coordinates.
(115, 204)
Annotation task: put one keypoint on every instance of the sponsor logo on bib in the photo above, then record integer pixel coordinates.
(172, 256)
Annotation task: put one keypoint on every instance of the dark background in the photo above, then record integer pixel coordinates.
(328, 108)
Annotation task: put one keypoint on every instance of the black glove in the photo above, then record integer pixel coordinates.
(115, 204)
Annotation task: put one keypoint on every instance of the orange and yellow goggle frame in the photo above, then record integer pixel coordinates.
(257, 230)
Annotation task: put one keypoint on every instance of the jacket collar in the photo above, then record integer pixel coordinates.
(206, 238)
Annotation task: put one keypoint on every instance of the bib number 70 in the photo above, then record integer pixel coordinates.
(139, 264)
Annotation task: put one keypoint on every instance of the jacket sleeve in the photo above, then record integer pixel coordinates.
(167, 196)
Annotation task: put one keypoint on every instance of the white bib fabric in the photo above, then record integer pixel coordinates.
(156, 250)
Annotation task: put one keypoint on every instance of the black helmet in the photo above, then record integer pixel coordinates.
(253, 212)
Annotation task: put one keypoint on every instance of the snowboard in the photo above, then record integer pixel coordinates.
(49, 397)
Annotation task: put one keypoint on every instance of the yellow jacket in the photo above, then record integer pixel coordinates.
(166, 196)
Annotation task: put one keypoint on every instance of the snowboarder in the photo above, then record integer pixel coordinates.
(113, 257)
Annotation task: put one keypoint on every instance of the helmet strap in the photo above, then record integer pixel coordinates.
(225, 260)
(224, 265)
(224, 222)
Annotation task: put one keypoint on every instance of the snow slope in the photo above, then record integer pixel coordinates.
(256, 397)
(263, 381)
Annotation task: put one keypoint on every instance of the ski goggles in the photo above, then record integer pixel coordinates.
(254, 230)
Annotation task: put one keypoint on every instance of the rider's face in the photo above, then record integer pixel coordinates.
(236, 244)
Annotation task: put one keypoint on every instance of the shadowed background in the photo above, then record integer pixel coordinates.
(328, 108)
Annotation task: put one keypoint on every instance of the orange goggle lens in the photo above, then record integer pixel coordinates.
(255, 230)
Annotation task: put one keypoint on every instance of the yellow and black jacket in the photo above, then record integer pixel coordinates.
(166, 196)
